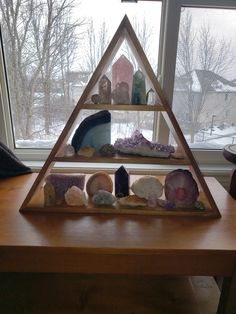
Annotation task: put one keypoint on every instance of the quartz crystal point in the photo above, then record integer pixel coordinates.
(139, 89)
(105, 90)
(122, 72)
(121, 182)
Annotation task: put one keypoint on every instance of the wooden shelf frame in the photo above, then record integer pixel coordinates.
(125, 32)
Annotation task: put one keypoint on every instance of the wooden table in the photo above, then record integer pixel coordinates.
(125, 245)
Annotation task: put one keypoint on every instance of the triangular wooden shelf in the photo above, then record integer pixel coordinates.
(125, 32)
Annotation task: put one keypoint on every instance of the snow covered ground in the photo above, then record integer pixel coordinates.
(203, 140)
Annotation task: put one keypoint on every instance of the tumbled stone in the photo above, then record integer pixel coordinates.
(103, 197)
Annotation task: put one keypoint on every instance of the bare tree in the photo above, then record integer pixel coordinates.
(38, 36)
(198, 51)
(95, 43)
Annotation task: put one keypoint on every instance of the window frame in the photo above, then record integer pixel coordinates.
(167, 61)
(170, 19)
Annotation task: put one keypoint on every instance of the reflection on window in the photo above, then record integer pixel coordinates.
(51, 49)
(205, 78)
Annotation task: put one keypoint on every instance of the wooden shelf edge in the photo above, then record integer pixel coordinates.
(123, 107)
(125, 159)
(120, 211)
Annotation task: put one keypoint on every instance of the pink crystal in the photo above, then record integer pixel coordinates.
(122, 71)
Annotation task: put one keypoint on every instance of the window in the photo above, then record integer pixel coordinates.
(205, 85)
(48, 70)
(51, 48)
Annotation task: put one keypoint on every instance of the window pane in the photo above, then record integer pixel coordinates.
(52, 48)
(205, 79)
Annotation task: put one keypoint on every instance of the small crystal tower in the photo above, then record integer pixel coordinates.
(105, 90)
(139, 89)
(121, 182)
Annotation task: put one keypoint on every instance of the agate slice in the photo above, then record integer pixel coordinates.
(99, 181)
(94, 131)
(137, 144)
(181, 188)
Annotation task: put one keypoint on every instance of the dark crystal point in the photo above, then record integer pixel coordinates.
(121, 182)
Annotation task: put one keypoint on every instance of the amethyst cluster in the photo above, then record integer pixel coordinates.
(137, 144)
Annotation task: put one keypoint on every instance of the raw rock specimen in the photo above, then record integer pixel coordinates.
(120, 94)
(86, 151)
(75, 197)
(102, 197)
(62, 182)
(121, 182)
(94, 131)
(181, 188)
(105, 90)
(132, 201)
(99, 181)
(107, 150)
(69, 150)
(137, 144)
(139, 89)
(148, 187)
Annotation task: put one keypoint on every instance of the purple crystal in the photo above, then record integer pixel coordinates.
(138, 144)
(62, 182)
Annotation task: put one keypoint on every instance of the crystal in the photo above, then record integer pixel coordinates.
(120, 94)
(139, 89)
(151, 98)
(102, 197)
(75, 197)
(107, 150)
(137, 144)
(121, 182)
(148, 187)
(49, 195)
(69, 150)
(122, 72)
(62, 182)
(105, 90)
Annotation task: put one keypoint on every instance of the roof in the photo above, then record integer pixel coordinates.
(204, 80)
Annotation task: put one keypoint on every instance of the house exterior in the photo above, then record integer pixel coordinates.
(210, 95)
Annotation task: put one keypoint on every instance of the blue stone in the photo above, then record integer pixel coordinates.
(121, 182)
